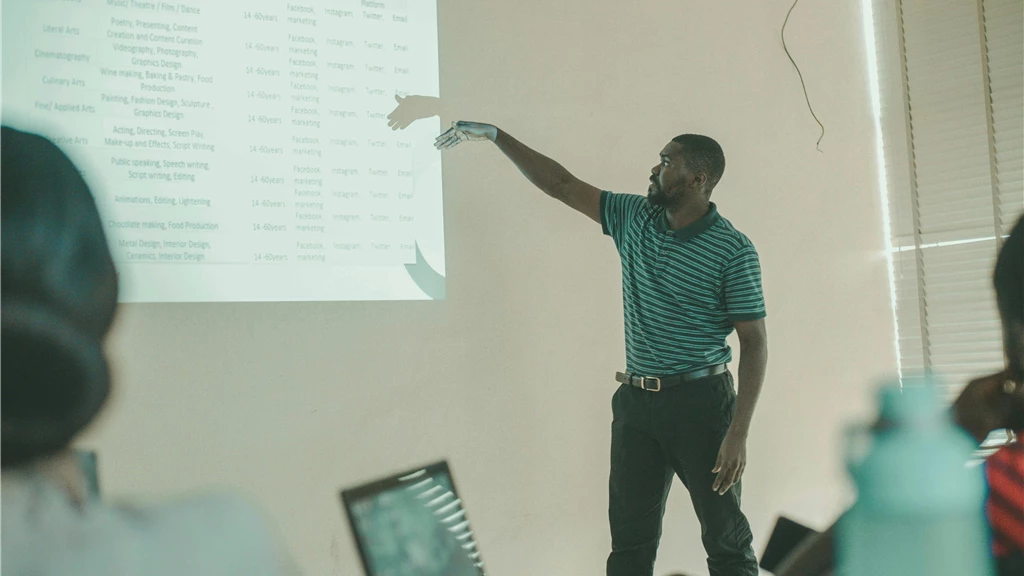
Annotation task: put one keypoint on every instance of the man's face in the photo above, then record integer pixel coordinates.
(671, 181)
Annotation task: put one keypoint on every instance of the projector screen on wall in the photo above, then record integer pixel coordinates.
(240, 150)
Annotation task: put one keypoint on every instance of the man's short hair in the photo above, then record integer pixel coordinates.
(703, 154)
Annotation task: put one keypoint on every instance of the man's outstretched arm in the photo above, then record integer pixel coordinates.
(550, 176)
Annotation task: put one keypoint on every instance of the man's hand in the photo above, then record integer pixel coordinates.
(732, 460)
(463, 131)
(984, 405)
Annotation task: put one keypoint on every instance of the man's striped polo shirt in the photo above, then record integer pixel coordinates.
(682, 290)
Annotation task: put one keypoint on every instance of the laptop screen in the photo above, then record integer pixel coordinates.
(413, 524)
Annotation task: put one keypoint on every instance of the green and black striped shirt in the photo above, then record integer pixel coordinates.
(682, 290)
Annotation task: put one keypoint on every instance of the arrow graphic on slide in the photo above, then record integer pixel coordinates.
(428, 279)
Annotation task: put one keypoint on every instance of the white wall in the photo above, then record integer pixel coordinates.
(511, 376)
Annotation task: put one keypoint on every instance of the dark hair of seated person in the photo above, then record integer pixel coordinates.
(1009, 283)
(59, 294)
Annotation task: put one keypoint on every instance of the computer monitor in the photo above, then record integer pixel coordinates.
(413, 524)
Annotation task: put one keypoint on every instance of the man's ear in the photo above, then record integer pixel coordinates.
(700, 179)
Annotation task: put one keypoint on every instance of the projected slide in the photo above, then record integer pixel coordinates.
(239, 150)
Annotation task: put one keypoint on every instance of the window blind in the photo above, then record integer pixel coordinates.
(951, 87)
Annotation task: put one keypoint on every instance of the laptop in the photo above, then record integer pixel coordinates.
(413, 524)
(785, 538)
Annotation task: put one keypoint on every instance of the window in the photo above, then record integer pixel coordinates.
(950, 81)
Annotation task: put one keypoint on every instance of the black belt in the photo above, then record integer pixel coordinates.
(656, 383)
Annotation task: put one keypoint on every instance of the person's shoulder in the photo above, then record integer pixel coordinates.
(633, 201)
(1005, 468)
(225, 533)
(221, 507)
(1011, 454)
(220, 510)
(623, 211)
(737, 241)
(217, 535)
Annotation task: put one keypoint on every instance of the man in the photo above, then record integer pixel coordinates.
(688, 279)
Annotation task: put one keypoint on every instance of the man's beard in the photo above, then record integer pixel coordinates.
(657, 197)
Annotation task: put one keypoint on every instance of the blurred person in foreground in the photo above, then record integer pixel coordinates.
(59, 298)
(996, 402)
(989, 403)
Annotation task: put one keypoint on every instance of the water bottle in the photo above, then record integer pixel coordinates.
(920, 506)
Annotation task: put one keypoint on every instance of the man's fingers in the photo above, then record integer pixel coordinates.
(442, 141)
(444, 135)
(720, 478)
(725, 478)
(735, 478)
(454, 140)
(447, 144)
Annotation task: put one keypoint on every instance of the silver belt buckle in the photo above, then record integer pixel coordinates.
(645, 379)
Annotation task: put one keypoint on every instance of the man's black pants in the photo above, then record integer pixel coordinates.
(679, 431)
